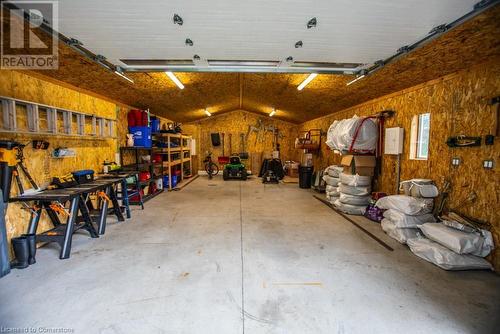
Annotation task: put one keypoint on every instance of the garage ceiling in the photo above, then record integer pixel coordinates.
(472, 43)
(360, 31)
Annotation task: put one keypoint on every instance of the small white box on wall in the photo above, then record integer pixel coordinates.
(393, 143)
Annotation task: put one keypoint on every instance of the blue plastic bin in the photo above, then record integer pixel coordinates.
(166, 181)
(155, 125)
(142, 136)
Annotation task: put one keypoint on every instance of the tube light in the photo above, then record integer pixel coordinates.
(272, 112)
(353, 81)
(307, 81)
(207, 112)
(124, 76)
(175, 80)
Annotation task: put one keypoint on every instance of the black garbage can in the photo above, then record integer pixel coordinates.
(305, 176)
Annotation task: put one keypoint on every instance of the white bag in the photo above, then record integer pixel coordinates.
(355, 180)
(334, 171)
(332, 191)
(419, 188)
(406, 204)
(402, 220)
(402, 235)
(357, 191)
(341, 134)
(350, 209)
(354, 200)
(445, 258)
(331, 181)
(458, 241)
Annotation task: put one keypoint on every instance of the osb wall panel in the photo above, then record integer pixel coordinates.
(236, 123)
(459, 106)
(90, 153)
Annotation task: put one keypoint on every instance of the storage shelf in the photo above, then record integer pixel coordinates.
(147, 197)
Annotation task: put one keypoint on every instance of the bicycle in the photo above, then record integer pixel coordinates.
(210, 167)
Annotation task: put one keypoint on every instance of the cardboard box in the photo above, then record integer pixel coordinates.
(359, 164)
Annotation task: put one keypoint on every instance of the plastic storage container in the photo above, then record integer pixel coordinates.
(83, 176)
(155, 125)
(305, 176)
(142, 136)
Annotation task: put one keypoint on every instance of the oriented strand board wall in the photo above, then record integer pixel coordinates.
(91, 153)
(235, 123)
(458, 105)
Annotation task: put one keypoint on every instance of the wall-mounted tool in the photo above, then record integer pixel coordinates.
(243, 154)
(12, 163)
(463, 141)
(40, 144)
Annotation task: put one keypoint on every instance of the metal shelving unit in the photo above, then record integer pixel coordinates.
(139, 166)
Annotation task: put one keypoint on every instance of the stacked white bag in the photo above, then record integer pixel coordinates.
(404, 214)
(354, 193)
(447, 247)
(331, 176)
(453, 249)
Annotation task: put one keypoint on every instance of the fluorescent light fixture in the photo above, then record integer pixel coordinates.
(207, 112)
(353, 81)
(272, 112)
(307, 81)
(124, 76)
(175, 80)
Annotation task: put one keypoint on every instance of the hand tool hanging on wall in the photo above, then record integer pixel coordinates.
(243, 153)
(12, 162)
(230, 144)
(223, 159)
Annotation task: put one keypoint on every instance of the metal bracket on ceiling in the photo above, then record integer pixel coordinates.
(438, 29)
(312, 23)
(178, 20)
(189, 42)
(298, 44)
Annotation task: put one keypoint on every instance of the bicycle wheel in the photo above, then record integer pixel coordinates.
(215, 169)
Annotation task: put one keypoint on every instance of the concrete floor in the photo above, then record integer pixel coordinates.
(242, 257)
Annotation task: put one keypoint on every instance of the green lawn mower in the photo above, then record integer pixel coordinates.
(234, 170)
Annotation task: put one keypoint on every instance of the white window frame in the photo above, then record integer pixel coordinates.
(415, 138)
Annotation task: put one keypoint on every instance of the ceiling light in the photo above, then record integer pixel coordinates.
(124, 77)
(207, 112)
(299, 44)
(175, 80)
(307, 81)
(353, 81)
(272, 112)
(178, 20)
(312, 23)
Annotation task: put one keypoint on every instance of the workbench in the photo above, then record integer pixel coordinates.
(78, 215)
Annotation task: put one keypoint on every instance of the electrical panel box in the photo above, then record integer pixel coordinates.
(393, 143)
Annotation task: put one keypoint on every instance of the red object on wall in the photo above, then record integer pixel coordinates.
(144, 176)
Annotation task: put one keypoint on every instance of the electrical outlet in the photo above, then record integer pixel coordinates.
(488, 164)
(456, 161)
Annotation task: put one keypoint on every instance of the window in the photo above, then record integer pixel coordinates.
(420, 136)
